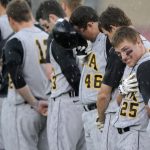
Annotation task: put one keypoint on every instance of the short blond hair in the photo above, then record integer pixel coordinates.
(125, 33)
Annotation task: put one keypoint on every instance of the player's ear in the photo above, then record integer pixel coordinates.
(53, 18)
(139, 42)
(11, 22)
(113, 28)
(89, 24)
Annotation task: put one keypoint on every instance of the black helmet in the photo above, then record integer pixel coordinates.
(65, 35)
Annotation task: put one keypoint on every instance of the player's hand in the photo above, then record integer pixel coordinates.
(100, 125)
(128, 85)
(41, 107)
(83, 50)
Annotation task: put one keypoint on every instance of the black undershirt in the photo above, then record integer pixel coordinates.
(143, 77)
(13, 57)
(4, 73)
(114, 70)
(67, 63)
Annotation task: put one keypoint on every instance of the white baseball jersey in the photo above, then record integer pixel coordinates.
(93, 71)
(5, 31)
(33, 55)
(5, 28)
(132, 110)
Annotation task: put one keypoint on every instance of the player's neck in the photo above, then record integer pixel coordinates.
(23, 25)
(2, 11)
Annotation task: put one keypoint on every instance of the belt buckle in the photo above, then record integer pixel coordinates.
(89, 107)
(92, 106)
(123, 130)
(120, 131)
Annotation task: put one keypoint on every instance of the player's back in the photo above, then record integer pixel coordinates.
(34, 50)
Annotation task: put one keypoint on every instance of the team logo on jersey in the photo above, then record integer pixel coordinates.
(93, 80)
(132, 96)
(42, 46)
(92, 62)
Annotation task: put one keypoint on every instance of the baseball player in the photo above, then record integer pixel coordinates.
(132, 118)
(50, 12)
(85, 21)
(5, 31)
(47, 14)
(109, 21)
(22, 113)
(65, 119)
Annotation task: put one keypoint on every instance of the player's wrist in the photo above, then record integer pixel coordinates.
(99, 124)
(35, 104)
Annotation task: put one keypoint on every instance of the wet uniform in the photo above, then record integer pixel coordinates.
(5, 32)
(114, 72)
(90, 83)
(65, 128)
(25, 63)
(132, 119)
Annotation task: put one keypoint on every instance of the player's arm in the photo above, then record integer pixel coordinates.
(103, 101)
(67, 63)
(13, 60)
(114, 70)
(143, 77)
(112, 77)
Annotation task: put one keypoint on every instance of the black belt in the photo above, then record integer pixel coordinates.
(122, 130)
(90, 107)
(70, 93)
